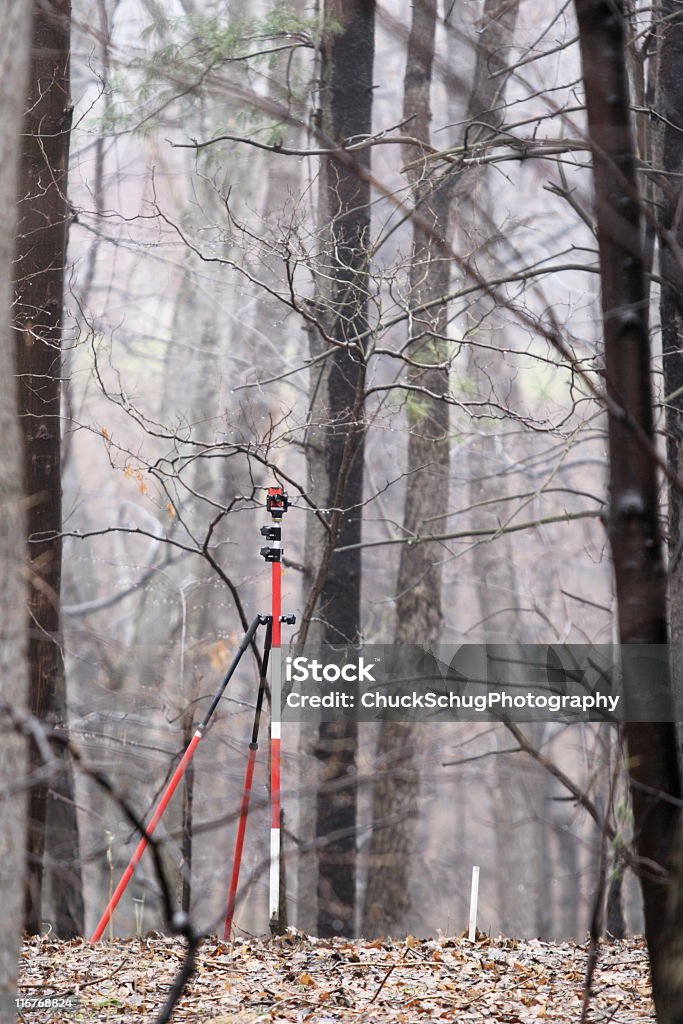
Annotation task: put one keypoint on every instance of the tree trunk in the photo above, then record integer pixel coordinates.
(335, 439)
(493, 562)
(14, 50)
(670, 109)
(418, 601)
(39, 282)
(632, 522)
(669, 102)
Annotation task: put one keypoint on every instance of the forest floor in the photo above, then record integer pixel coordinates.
(295, 978)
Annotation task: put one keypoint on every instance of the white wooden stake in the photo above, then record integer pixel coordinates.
(474, 897)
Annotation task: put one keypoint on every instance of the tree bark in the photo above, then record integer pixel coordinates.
(14, 51)
(632, 519)
(669, 101)
(39, 283)
(335, 439)
(418, 600)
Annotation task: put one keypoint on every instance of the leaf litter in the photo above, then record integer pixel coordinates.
(299, 979)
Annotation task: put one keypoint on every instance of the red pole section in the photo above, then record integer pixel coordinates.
(277, 602)
(140, 848)
(239, 842)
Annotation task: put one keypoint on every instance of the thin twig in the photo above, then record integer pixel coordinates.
(386, 978)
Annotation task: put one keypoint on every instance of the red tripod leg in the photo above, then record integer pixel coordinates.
(142, 845)
(239, 842)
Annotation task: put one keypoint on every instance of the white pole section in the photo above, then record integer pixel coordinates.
(474, 898)
(275, 726)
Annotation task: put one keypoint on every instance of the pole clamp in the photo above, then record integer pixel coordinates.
(271, 554)
(289, 620)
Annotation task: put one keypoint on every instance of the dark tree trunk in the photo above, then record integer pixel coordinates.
(418, 602)
(670, 108)
(632, 521)
(14, 50)
(669, 101)
(616, 924)
(39, 284)
(335, 440)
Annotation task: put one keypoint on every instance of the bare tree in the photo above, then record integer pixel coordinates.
(669, 101)
(418, 588)
(335, 437)
(632, 519)
(44, 215)
(14, 50)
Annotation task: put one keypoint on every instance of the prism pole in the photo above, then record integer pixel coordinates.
(165, 799)
(275, 734)
(277, 504)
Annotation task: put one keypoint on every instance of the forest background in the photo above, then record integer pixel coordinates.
(355, 249)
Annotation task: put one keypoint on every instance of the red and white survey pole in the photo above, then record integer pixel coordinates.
(277, 504)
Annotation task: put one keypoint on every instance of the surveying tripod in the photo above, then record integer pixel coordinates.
(277, 504)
